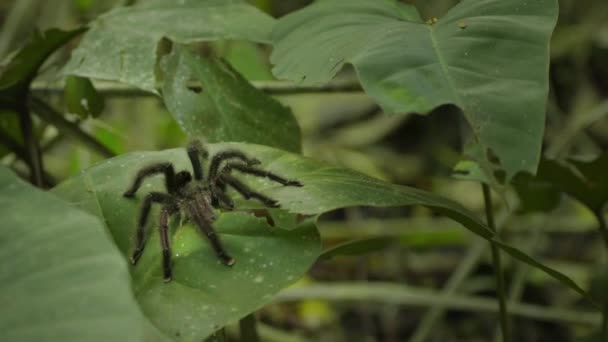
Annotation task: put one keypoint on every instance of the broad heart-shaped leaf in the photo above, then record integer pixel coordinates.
(229, 108)
(61, 278)
(488, 57)
(204, 295)
(121, 45)
(325, 188)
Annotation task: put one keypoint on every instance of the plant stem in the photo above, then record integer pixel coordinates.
(599, 214)
(113, 89)
(34, 158)
(500, 281)
(48, 114)
(464, 270)
(604, 331)
(248, 329)
(602, 225)
(382, 293)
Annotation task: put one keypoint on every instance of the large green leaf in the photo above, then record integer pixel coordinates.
(121, 45)
(229, 108)
(24, 66)
(61, 278)
(488, 57)
(325, 188)
(204, 295)
(583, 180)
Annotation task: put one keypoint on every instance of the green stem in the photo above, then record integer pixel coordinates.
(603, 228)
(379, 294)
(500, 281)
(48, 114)
(248, 329)
(111, 89)
(20, 153)
(604, 331)
(425, 329)
(34, 158)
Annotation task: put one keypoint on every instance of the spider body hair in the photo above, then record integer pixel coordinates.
(196, 196)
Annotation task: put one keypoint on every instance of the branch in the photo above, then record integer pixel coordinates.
(48, 114)
(32, 150)
(269, 87)
(390, 293)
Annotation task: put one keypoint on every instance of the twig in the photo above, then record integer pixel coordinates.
(51, 116)
(603, 228)
(270, 87)
(34, 158)
(466, 266)
(16, 148)
(381, 292)
(248, 329)
(500, 280)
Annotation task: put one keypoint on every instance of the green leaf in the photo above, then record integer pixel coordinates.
(121, 45)
(248, 59)
(583, 180)
(536, 194)
(81, 97)
(325, 188)
(204, 295)
(229, 108)
(61, 278)
(488, 57)
(19, 73)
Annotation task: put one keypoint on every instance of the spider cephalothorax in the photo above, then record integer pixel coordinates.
(196, 198)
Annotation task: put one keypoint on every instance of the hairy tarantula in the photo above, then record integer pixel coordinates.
(197, 199)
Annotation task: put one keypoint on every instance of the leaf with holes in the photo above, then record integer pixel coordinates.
(325, 188)
(61, 278)
(228, 108)
(122, 44)
(488, 57)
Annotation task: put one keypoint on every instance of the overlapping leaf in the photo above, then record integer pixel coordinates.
(61, 278)
(583, 180)
(121, 45)
(488, 57)
(228, 108)
(22, 69)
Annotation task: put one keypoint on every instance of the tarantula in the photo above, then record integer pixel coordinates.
(197, 198)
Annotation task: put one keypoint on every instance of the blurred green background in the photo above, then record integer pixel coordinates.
(348, 129)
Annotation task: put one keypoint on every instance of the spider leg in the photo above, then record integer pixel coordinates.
(219, 157)
(165, 168)
(140, 236)
(195, 150)
(164, 241)
(218, 193)
(252, 170)
(247, 192)
(206, 227)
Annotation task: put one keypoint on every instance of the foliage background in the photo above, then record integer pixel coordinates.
(346, 129)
